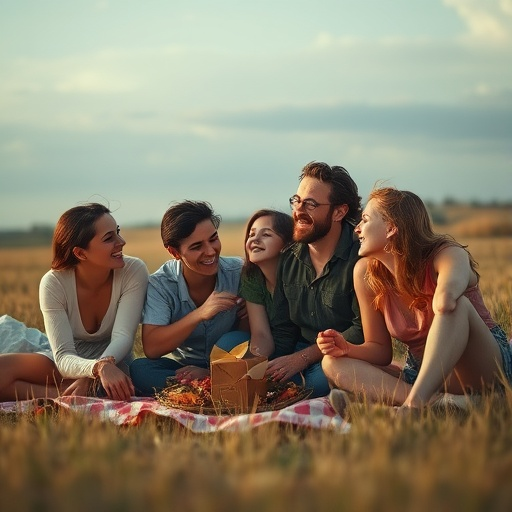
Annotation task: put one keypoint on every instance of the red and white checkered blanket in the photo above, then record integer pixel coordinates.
(314, 413)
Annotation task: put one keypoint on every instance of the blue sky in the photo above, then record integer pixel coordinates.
(144, 103)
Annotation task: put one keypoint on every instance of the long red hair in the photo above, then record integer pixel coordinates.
(414, 245)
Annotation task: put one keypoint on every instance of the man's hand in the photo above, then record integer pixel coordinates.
(284, 368)
(191, 372)
(217, 302)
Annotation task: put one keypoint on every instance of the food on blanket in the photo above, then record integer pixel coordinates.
(183, 392)
(188, 398)
(281, 392)
(284, 392)
(188, 394)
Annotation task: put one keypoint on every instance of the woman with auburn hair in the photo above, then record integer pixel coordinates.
(420, 288)
(91, 301)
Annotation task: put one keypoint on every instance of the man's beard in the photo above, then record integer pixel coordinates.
(316, 231)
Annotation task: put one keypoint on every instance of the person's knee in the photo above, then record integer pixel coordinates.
(337, 370)
(461, 306)
(150, 375)
(140, 373)
(328, 365)
(138, 365)
(231, 339)
(320, 387)
(316, 379)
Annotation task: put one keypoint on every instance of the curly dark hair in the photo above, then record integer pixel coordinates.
(343, 188)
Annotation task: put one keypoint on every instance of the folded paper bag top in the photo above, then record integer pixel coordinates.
(237, 382)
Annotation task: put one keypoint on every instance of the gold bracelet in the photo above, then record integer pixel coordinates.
(305, 357)
(100, 363)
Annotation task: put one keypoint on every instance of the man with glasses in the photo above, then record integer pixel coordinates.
(315, 289)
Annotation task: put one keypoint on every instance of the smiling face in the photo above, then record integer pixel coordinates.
(200, 251)
(312, 225)
(263, 243)
(106, 247)
(373, 230)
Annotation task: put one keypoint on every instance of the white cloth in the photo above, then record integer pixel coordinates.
(16, 337)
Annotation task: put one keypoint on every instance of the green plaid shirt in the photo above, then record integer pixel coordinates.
(306, 304)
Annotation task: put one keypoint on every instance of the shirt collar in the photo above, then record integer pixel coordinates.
(343, 247)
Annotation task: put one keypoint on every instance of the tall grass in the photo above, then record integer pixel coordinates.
(55, 460)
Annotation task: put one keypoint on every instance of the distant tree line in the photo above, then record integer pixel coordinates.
(438, 211)
(36, 236)
(476, 203)
(39, 235)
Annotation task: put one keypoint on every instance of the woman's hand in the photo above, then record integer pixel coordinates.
(191, 372)
(116, 383)
(79, 387)
(332, 343)
(284, 368)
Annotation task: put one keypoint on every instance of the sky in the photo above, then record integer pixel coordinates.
(140, 104)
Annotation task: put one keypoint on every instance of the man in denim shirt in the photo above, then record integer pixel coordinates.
(315, 289)
(192, 300)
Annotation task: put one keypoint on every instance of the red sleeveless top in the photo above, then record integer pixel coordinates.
(411, 326)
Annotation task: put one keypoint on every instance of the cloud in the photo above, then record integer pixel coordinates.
(158, 88)
(427, 120)
(93, 82)
(506, 5)
(487, 21)
(16, 154)
(102, 5)
(326, 40)
(103, 72)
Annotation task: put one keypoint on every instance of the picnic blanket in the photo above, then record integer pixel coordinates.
(314, 413)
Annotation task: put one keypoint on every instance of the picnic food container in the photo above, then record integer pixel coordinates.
(237, 378)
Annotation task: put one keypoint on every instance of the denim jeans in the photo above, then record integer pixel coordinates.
(150, 375)
(314, 376)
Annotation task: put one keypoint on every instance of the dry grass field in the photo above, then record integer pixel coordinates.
(61, 462)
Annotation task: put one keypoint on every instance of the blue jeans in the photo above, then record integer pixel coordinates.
(314, 376)
(231, 339)
(149, 376)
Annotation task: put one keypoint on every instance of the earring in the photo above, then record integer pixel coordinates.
(388, 249)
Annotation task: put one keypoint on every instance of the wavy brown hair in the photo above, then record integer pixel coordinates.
(76, 227)
(282, 224)
(414, 244)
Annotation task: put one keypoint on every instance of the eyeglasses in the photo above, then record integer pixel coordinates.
(309, 204)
